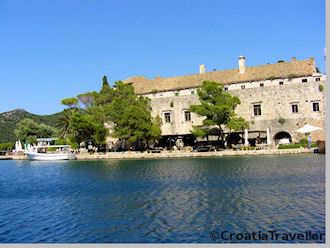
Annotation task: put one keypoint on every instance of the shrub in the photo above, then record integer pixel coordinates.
(296, 145)
(290, 146)
(271, 78)
(281, 121)
(321, 87)
(303, 141)
(74, 145)
(51, 149)
(247, 148)
(6, 146)
(280, 61)
(176, 93)
(291, 76)
(61, 141)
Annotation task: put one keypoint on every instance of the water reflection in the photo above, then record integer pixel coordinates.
(173, 200)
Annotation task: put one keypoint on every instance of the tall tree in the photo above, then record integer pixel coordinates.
(105, 85)
(106, 93)
(131, 115)
(217, 107)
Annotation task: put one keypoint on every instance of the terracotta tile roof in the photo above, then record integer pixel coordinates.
(295, 68)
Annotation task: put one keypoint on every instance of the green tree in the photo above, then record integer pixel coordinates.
(155, 132)
(64, 123)
(6, 146)
(71, 102)
(237, 124)
(87, 99)
(131, 115)
(105, 85)
(201, 131)
(85, 128)
(28, 130)
(218, 109)
(83, 124)
(106, 93)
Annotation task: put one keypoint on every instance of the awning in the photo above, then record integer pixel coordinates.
(308, 129)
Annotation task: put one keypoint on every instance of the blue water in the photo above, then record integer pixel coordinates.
(172, 200)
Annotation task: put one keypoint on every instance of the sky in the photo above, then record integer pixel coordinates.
(50, 50)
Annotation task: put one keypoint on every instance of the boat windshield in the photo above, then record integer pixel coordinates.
(53, 148)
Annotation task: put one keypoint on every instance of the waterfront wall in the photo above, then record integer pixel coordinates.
(179, 154)
(174, 154)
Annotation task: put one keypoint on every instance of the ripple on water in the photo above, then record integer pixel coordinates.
(175, 200)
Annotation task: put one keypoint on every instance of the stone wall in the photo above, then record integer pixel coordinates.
(275, 99)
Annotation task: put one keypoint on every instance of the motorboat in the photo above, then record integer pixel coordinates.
(45, 151)
(58, 155)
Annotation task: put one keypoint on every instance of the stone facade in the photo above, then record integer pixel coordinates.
(275, 99)
(285, 104)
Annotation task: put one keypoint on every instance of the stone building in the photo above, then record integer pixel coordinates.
(276, 99)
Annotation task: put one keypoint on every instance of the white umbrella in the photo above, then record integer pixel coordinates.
(308, 129)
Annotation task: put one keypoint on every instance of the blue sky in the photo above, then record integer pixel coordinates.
(50, 50)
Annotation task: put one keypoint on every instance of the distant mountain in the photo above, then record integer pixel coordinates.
(9, 120)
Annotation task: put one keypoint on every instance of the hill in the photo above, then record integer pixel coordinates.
(9, 120)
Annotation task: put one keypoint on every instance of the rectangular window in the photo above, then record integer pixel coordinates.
(294, 108)
(167, 117)
(257, 109)
(280, 82)
(242, 87)
(261, 84)
(316, 107)
(226, 88)
(187, 116)
(317, 79)
(304, 80)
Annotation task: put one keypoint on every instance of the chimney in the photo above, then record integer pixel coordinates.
(202, 69)
(293, 59)
(241, 64)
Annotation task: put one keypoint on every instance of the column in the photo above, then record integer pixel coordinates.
(246, 137)
(269, 139)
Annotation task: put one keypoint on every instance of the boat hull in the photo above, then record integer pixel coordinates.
(50, 156)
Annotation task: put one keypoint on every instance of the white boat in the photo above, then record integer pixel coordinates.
(50, 156)
(45, 151)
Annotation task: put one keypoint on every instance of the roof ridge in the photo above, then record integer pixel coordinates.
(303, 67)
(217, 71)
